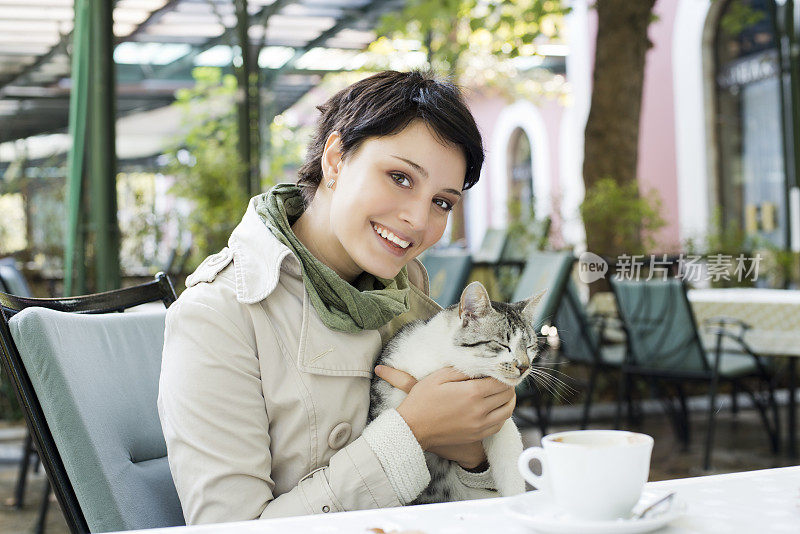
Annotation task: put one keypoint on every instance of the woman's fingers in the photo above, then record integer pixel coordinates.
(397, 378)
(502, 412)
(448, 374)
(486, 387)
(498, 399)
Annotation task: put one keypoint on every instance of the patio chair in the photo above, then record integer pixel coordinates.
(87, 381)
(581, 337)
(448, 273)
(548, 272)
(664, 347)
(13, 281)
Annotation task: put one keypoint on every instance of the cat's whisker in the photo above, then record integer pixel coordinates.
(544, 380)
(552, 382)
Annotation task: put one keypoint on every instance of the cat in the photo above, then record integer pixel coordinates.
(480, 338)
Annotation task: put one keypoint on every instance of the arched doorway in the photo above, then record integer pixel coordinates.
(520, 173)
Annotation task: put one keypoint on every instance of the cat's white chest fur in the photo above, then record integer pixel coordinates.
(420, 351)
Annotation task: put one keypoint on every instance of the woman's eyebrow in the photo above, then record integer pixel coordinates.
(420, 169)
(417, 167)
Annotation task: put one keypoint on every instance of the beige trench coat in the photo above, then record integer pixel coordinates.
(264, 408)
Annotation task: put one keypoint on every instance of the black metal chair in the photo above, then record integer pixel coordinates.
(665, 348)
(448, 273)
(12, 281)
(582, 343)
(548, 272)
(120, 300)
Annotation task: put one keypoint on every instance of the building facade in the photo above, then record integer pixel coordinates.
(710, 140)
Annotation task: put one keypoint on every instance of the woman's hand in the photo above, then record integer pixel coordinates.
(467, 411)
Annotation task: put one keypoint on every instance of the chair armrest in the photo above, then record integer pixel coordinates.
(724, 322)
(601, 322)
(722, 333)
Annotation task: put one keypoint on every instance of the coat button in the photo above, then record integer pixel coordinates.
(326, 509)
(339, 435)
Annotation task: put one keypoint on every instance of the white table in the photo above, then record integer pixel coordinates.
(763, 501)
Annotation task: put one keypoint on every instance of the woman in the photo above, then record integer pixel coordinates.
(269, 352)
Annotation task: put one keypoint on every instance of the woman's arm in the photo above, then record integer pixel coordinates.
(217, 430)
(472, 468)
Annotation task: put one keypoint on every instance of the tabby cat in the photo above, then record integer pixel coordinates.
(480, 338)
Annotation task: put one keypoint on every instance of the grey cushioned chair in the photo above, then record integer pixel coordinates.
(88, 383)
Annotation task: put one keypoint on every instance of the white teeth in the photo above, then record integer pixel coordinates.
(384, 233)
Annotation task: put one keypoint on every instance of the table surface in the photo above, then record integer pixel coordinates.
(748, 502)
(773, 314)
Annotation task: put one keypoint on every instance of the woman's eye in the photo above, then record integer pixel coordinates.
(444, 204)
(400, 179)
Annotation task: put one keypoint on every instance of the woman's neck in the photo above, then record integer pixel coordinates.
(313, 230)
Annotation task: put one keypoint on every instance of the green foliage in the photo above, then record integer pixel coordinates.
(524, 234)
(780, 267)
(622, 218)
(287, 146)
(739, 16)
(727, 238)
(206, 162)
(9, 407)
(472, 38)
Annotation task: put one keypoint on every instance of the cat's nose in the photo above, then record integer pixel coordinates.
(522, 367)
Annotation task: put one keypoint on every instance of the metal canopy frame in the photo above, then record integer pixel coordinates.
(36, 46)
(57, 69)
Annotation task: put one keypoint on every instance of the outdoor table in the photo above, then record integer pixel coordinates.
(755, 501)
(773, 314)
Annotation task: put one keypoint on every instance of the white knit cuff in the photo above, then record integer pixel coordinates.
(482, 480)
(399, 453)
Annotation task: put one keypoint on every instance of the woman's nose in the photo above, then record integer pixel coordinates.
(416, 215)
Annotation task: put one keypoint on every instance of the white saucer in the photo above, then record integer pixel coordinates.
(537, 510)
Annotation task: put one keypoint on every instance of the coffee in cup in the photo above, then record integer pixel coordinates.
(591, 474)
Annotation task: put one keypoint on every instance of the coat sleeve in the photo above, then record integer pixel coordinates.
(216, 428)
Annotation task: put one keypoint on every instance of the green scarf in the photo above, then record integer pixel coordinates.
(369, 303)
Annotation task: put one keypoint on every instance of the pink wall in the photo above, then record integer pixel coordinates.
(552, 113)
(485, 109)
(657, 168)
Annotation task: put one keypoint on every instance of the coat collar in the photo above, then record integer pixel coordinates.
(258, 257)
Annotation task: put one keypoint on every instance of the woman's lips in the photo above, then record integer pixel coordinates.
(390, 246)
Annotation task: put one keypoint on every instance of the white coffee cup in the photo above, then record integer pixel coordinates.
(591, 474)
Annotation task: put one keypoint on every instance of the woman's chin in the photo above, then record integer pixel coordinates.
(382, 271)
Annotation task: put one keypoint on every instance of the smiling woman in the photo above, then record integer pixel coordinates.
(268, 354)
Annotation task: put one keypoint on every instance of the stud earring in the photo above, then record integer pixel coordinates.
(331, 183)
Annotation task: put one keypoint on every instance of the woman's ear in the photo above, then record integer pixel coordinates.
(332, 157)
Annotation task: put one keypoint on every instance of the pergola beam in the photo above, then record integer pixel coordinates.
(66, 39)
(368, 12)
(187, 61)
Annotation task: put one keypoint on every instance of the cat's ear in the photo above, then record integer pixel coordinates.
(531, 303)
(475, 302)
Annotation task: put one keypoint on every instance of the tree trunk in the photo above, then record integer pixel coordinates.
(612, 130)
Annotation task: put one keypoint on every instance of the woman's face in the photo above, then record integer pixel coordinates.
(391, 200)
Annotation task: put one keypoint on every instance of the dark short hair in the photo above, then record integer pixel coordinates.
(385, 103)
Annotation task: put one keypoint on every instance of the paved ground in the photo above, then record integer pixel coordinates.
(740, 445)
